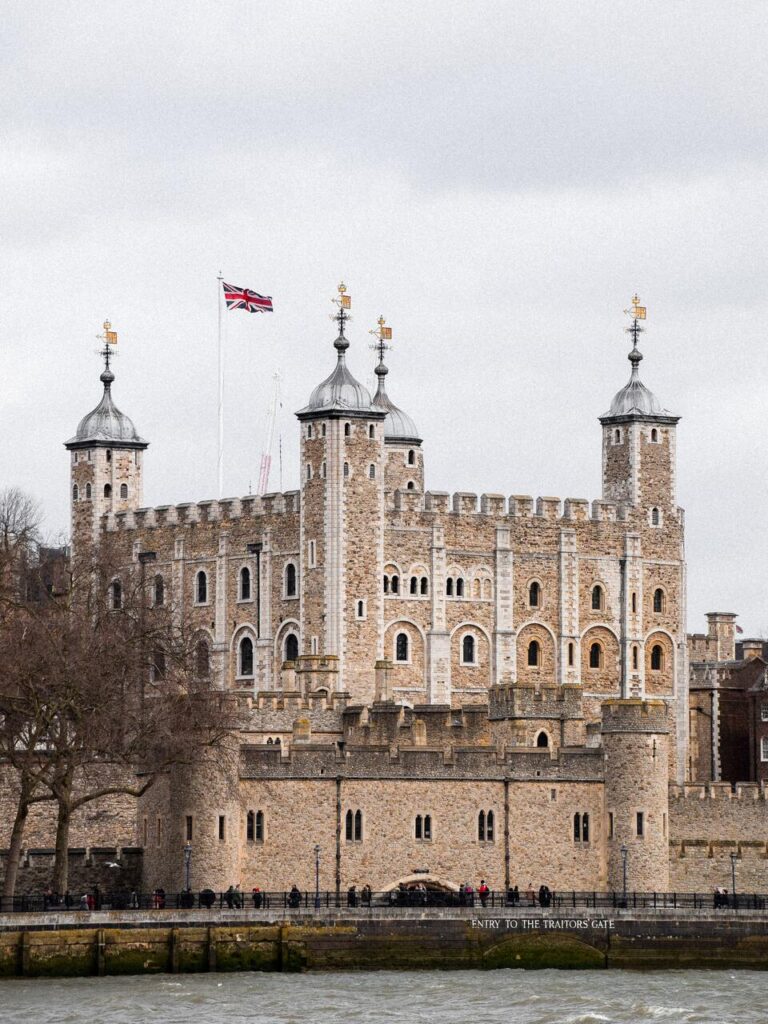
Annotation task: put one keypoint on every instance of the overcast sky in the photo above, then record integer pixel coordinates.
(496, 178)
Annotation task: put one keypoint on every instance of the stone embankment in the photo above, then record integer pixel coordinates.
(113, 942)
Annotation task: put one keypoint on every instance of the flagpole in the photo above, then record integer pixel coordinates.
(219, 279)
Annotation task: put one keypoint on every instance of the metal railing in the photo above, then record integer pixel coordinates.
(310, 901)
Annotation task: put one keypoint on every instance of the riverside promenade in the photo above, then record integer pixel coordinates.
(112, 942)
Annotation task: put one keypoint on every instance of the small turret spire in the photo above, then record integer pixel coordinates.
(637, 312)
(109, 337)
(383, 334)
(344, 302)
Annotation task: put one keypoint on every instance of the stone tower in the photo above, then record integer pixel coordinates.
(639, 443)
(106, 463)
(635, 741)
(342, 513)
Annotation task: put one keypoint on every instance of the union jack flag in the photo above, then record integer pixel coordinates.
(244, 298)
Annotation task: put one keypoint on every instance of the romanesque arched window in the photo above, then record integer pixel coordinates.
(595, 655)
(347, 430)
(401, 647)
(468, 650)
(372, 471)
(635, 658)
(395, 584)
(654, 435)
(481, 826)
(245, 583)
(411, 457)
(386, 584)
(424, 585)
(260, 823)
(459, 587)
(571, 650)
(371, 431)
(75, 493)
(657, 658)
(245, 657)
(107, 490)
(489, 823)
(159, 591)
(353, 826)
(202, 659)
(414, 584)
(655, 517)
(123, 491)
(346, 470)
(410, 486)
(291, 647)
(116, 594)
(358, 826)
(449, 586)
(658, 600)
(534, 594)
(88, 492)
(534, 653)
(290, 580)
(585, 827)
(597, 598)
(201, 588)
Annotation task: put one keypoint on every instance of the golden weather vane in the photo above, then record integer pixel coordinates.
(383, 334)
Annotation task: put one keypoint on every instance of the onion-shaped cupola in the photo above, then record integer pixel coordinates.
(399, 428)
(106, 425)
(340, 394)
(635, 401)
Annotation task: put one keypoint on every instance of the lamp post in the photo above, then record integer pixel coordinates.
(624, 853)
(187, 863)
(317, 877)
(733, 876)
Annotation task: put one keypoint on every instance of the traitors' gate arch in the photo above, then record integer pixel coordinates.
(430, 881)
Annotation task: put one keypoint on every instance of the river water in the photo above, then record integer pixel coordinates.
(459, 997)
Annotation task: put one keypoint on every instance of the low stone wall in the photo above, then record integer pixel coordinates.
(89, 868)
(57, 945)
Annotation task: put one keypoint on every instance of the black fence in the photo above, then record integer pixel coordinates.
(309, 901)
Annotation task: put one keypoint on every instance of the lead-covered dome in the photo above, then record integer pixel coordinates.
(635, 399)
(106, 424)
(398, 425)
(340, 391)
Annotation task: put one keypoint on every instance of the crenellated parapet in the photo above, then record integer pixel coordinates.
(516, 701)
(221, 511)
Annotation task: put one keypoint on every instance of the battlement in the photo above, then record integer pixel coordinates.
(744, 791)
(516, 701)
(516, 506)
(634, 716)
(221, 510)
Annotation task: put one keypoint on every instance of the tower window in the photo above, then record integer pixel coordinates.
(534, 594)
(222, 828)
(542, 740)
(309, 431)
(123, 491)
(655, 517)
(312, 555)
(634, 602)
(423, 827)
(658, 600)
(655, 435)
(459, 587)
(201, 588)
(410, 486)
(411, 457)
(107, 490)
(246, 656)
(360, 610)
(109, 456)
(371, 431)
(254, 827)
(581, 828)
(395, 584)
(372, 472)
(468, 650)
(202, 659)
(88, 492)
(485, 824)
(634, 659)
(617, 436)
(424, 585)
(570, 654)
(309, 471)
(159, 591)
(75, 493)
(347, 430)
(353, 826)
(116, 594)
(291, 647)
(597, 598)
(414, 585)
(401, 647)
(245, 583)
(346, 470)
(640, 824)
(449, 586)
(386, 584)
(322, 471)
(595, 656)
(290, 580)
(657, 658)
(534, 653)
(189, 828)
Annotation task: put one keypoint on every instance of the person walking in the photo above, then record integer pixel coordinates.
(483, 892)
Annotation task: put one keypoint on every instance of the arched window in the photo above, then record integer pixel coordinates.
(290, 580)
(346, 470)
(634, 658)
(109, 456)
(418, 829)
(116, 594)
(658, 600)
(481, 826)
(414, 584)
(655, 517)
(449, 586)
(347, 430)
(395, 584)
(634, 602)
(291, 647)
(201, 588)
(322, 470)
(202, 660)
(657, 658)
(245, 583)
(424, 585)
(309, 471)
(349, 826)
(423, 827)
(427, 826)
(250, 821)
(542, 740)
(617, 437)
(123, 490)
(358, 826)
(595, 655)
(88, 492)
(468, 650)
(371, 431)
(534, 652)
(246, 656)
(159, 591)
(372, 471)
(577, 828)
(260, 821)
(534, 594)
(322, 430)
(570, 654)
(410, 486)
(75, 493)
(654, 435)
(411, 457)
(401, 647)
(107, 490)
(585, 827)
(360, 609)
(597, 597)
(309, 431)
(386, 584)
(459, 587)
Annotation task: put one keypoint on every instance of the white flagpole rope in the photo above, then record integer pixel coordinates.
(219, 280)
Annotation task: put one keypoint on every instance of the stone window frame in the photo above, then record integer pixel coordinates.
(537, 662)
(392, 574)
(372, 471)
(540, 593)
(411, 485)
(469, 634)
(372, 431)
(361, 609)
(764, 748)
(640, 830)
(617, 436)
(88, 492)
(245, 634)
(422, 828)
(312, 554)
(295, 634)
(240, 599)
(107, 490)
(75, 492)
(308, 472)
(309, 431)
(354, 830)
(660, 648)
(482, 576)
(597, 588)
(600, 658)
(291, 562)
(255, 830)
(115, 594)
(486, 827)
(659, 590)
(581, 828)
(196, 589)
(655, 517)
(323, 472)
(410, 458)
(123, 492)
(409, 647)
(571, 654)
(420, 592)
(456, 581)
(547, 745)
(203, 637)
(635, 657)
(654, 436)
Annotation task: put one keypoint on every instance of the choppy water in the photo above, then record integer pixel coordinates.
(461, 997)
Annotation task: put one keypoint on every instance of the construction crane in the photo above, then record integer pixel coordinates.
(266, 455)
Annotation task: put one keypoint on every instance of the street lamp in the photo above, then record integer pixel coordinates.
(317, 877)
(624, 853)
(187, 863)
(733, 876)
